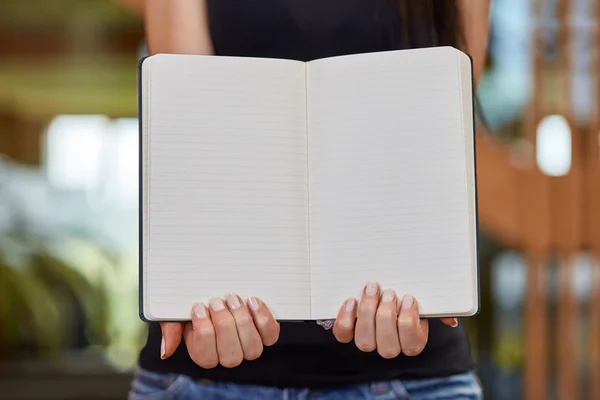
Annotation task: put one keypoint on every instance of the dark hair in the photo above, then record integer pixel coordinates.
(428, 23)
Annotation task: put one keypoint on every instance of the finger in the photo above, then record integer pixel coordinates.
(451, 322)
(364, 333)
(412, 330)
(250, 339)
(343, 328)
(386, 326)
(268, 327)
(200, 338)
(171, 337)
(229, 347)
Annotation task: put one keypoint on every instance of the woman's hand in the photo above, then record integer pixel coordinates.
(225, 333)
(375, 323)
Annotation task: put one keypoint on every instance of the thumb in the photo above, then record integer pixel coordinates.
(171, 337)
(451, 322)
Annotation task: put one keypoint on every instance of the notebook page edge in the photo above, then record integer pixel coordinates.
(468, 102)
(143, 88)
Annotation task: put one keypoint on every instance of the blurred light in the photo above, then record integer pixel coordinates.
(554, 146)
(506, 89)
(121, 163)
(584, 277)
(74, 151)
(509, 279)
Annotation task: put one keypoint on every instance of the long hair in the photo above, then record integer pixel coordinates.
(428, 23)
(431, 23)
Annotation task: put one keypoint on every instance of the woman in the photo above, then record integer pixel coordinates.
(234, 349)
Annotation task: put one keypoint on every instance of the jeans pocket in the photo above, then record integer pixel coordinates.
(148, 385)
(389, 390)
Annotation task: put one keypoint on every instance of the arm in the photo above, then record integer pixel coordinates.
(476, 22)
(177, 27)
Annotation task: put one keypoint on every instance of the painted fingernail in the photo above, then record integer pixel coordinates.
(232, 301)
(162, 349)
(371, 289)
(253, 303)
(455, 324)
(200, 310)
(350, 304)
(407, 302)
(388, 296)
(217, 304)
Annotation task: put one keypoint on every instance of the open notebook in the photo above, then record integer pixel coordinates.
(300, 182)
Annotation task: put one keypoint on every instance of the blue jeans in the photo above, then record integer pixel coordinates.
(149, 385)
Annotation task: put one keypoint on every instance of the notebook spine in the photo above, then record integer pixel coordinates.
(141, 195)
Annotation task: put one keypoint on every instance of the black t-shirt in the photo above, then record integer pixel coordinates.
(306, 355)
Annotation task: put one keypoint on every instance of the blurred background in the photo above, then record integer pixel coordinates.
(69, 326)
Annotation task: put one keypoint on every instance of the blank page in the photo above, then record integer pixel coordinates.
(391, 179)
(225, 184)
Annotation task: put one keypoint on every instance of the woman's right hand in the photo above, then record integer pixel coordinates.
(225, 333)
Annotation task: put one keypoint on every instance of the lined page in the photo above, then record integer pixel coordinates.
(227, 184)
(390, 190)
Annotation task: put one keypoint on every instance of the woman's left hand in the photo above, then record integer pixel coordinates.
(376, 324)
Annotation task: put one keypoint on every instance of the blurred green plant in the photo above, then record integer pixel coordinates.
(45, 301)
(63, 286)
(508, 351)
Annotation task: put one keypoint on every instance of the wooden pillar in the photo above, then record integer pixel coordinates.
(567, 338)
(592, 241)
(533, 214)
(536, 327)
(533, 207)
(534, 218)
(566, 224)
(595, 330)
(592, 209)
(540, 81)
(567, 227)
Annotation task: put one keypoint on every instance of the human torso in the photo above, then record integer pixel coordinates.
(306, 355)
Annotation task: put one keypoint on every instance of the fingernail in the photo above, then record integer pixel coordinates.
(232, 301)
(350, 304)
(216, 304)
(162, 349)
(407, 302)
(388, 296)
(253, 303)
(200, 310)
(371, 289)
(455, 324)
